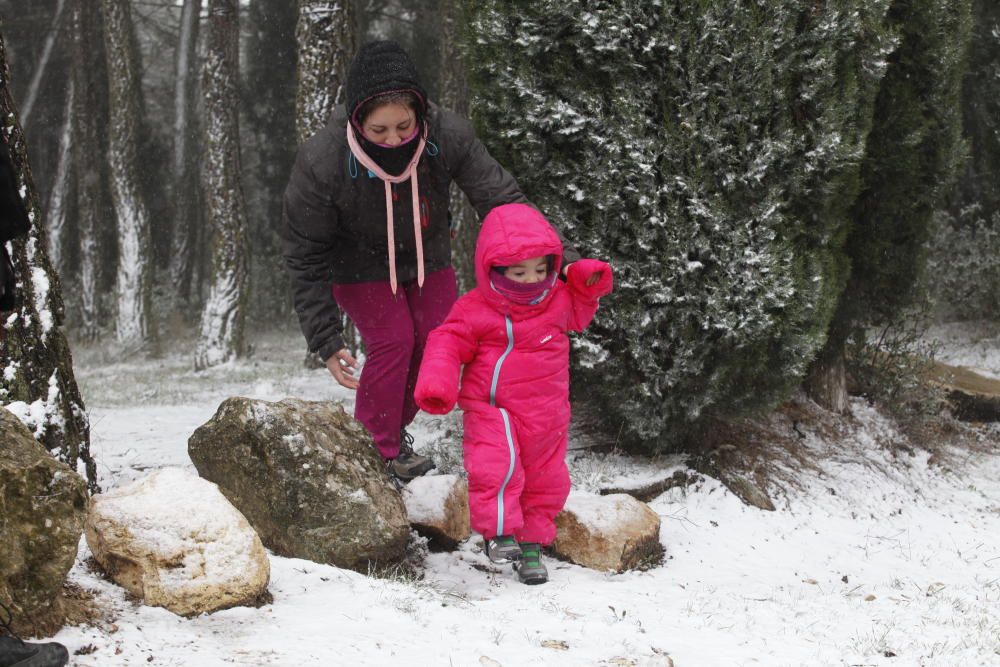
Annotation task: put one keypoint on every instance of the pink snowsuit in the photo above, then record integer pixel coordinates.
(515, 381)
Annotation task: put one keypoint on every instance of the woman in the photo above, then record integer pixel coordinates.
(367, 231)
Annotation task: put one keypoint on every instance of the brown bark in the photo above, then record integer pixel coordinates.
(36, 367)
(455, 96)
(826, 382)
(187, 200)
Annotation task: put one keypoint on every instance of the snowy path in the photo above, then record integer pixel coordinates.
(878, 561)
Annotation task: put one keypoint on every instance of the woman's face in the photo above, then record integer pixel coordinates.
(389, 124)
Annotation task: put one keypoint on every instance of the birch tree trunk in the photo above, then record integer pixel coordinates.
(222, 322)
(88, 155)
(36, 367)
(187, 191)
(133, 289)
(326, 41)
(43, 62)
(455, 96)
(326, 44)
(61, 196)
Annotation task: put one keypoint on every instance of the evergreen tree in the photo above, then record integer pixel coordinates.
(965, 249)
(711, 152)
(912, 156)
(36, 366)
(224, 315)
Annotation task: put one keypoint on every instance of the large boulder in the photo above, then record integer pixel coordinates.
(43, 504)
(173, 540)
(438, 507)
(307, 477)
(613, 532)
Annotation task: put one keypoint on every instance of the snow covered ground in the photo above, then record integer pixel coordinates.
(972, 344)
(877, 560)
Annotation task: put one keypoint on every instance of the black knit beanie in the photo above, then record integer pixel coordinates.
(382, 67)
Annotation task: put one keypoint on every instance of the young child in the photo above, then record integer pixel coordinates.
(509, 333)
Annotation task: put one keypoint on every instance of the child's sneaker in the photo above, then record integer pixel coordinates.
(530, 569)
(503, 549)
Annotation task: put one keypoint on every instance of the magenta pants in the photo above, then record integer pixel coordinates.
(394, 329)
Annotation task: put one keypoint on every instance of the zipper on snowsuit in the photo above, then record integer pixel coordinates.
(506, 422)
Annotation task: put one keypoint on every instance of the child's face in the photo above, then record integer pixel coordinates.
(532, 270)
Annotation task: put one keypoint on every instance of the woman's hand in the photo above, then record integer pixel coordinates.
(342, 366)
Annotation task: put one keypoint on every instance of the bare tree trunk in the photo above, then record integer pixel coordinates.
(269, 92)
(826, 381)
(88, 68)
(133, 290)
(187, 212)
(36, 367)
(326, 44)
(43, 63)
(61, 197)
(222, 321)
(326, 40)
(455, 96)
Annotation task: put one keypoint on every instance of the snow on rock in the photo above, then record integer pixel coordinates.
(174, 540)
(308, 478)
(614, 532)
(438, 507)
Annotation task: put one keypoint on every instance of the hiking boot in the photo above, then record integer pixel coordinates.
(502, 549)
(530, 569)
(408, 464)
(15, 653)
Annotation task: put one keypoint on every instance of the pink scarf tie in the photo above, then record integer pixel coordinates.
(409, 173)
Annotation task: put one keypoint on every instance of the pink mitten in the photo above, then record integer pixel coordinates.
(434, 396)
(580, 272)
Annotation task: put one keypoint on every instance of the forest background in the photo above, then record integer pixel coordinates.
(788, 190)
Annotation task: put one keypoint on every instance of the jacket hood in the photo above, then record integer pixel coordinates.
(509, 234)
(382, 67)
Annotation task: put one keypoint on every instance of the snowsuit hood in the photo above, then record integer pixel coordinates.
(509, 234)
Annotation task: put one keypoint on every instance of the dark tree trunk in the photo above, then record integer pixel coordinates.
(37, 367)
(269, 103)
(222, 323)
(187, 193)
(43, 63)
(826, 382)
(455, 96)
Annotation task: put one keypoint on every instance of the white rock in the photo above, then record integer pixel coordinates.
(614, 532)
(438, 507)
(174, 540)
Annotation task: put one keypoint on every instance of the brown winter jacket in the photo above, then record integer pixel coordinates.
(334, 227)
